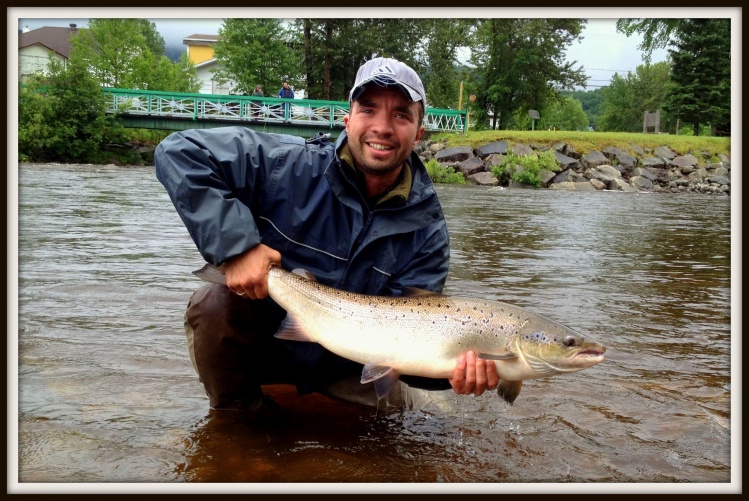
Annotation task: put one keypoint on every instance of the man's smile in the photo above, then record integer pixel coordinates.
(380, 146)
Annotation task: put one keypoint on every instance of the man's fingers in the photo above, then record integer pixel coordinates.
(459, 375)
(470, 382)
(492, 376)
(481, 377)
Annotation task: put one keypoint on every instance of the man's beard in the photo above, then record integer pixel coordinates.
(379, 169)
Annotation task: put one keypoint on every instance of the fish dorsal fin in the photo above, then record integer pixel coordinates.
(509, 390)
(415, 291)
(290, 330)
(499, 356)
(304, 274)
(383, 377)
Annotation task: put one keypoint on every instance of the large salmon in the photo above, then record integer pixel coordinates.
(423, 333)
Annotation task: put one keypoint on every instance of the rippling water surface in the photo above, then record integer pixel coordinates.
(107, 394)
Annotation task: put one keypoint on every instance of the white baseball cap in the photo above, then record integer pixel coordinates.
(385, 71)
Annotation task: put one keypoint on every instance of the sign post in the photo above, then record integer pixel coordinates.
(534, 116)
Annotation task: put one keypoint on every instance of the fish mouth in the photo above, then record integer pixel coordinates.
(590, 355)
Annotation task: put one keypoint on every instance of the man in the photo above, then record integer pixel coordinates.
(286, 91)
(361, 215)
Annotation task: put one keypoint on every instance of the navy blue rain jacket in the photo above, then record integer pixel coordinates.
(235, 188)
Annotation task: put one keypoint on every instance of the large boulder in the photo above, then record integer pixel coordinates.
(664, 152)
(683, 161)
(471, 166)
(593, 159)
(641, 183)
(455, 154)
(483, 179)
(497, 147)
(566, 162)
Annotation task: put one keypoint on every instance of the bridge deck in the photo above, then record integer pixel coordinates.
(179, 111)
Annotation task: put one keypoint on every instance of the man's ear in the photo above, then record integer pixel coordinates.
(419, 133)
(346, 118)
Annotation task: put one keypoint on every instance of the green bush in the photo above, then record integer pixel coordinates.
(531, 167)
(62, 118)
(35, 116)
(442, 174)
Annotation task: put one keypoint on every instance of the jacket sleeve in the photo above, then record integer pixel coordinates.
(214, 178)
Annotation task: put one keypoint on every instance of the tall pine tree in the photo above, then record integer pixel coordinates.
(700, 88)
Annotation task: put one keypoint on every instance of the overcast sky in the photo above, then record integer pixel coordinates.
(602, 52)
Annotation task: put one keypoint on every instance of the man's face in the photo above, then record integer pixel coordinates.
(383, 128)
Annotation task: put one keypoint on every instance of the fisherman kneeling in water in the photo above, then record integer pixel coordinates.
(360, 215)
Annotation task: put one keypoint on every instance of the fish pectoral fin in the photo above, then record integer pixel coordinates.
(304, 274)
(383, 377)
(498, 356)
(509, 390)
(290, 330)
(211, 273)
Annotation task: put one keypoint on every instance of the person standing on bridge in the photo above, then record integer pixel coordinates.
(360, 214)
(286, 92)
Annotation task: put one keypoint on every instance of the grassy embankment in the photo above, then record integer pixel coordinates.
(585, 142)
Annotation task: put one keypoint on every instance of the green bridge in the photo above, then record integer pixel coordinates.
(179, 111)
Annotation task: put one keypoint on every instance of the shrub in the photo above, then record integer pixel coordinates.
(65, 120)
(442, 174)
(531, 167)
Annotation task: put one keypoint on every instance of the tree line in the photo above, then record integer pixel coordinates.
(506, 66)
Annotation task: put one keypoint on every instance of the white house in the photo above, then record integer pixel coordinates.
(36, 46)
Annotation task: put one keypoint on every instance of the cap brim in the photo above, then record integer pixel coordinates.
(410, 93)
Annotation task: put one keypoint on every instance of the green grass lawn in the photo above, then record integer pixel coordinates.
(585, 142)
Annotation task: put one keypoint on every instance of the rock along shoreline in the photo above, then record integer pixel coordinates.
(658, 170)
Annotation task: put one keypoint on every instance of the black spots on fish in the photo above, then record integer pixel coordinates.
(458, 310)
(541, 337)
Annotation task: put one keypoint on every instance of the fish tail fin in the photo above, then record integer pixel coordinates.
(383, 377)
(211, 273)
(509, 390)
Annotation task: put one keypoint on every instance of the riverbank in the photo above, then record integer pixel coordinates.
(586, 161)
(656, 163)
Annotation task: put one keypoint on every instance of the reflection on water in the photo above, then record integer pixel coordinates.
(106, 391)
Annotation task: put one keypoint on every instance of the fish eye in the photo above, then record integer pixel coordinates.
(570, 341)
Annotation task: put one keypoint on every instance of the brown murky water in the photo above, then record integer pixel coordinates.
(107, 398)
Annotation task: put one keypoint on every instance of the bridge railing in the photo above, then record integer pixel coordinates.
(253, 109)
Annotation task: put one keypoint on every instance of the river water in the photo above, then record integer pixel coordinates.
(107, 400)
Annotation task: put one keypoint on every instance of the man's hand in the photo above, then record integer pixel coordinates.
(473, 375)
(247, 274)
